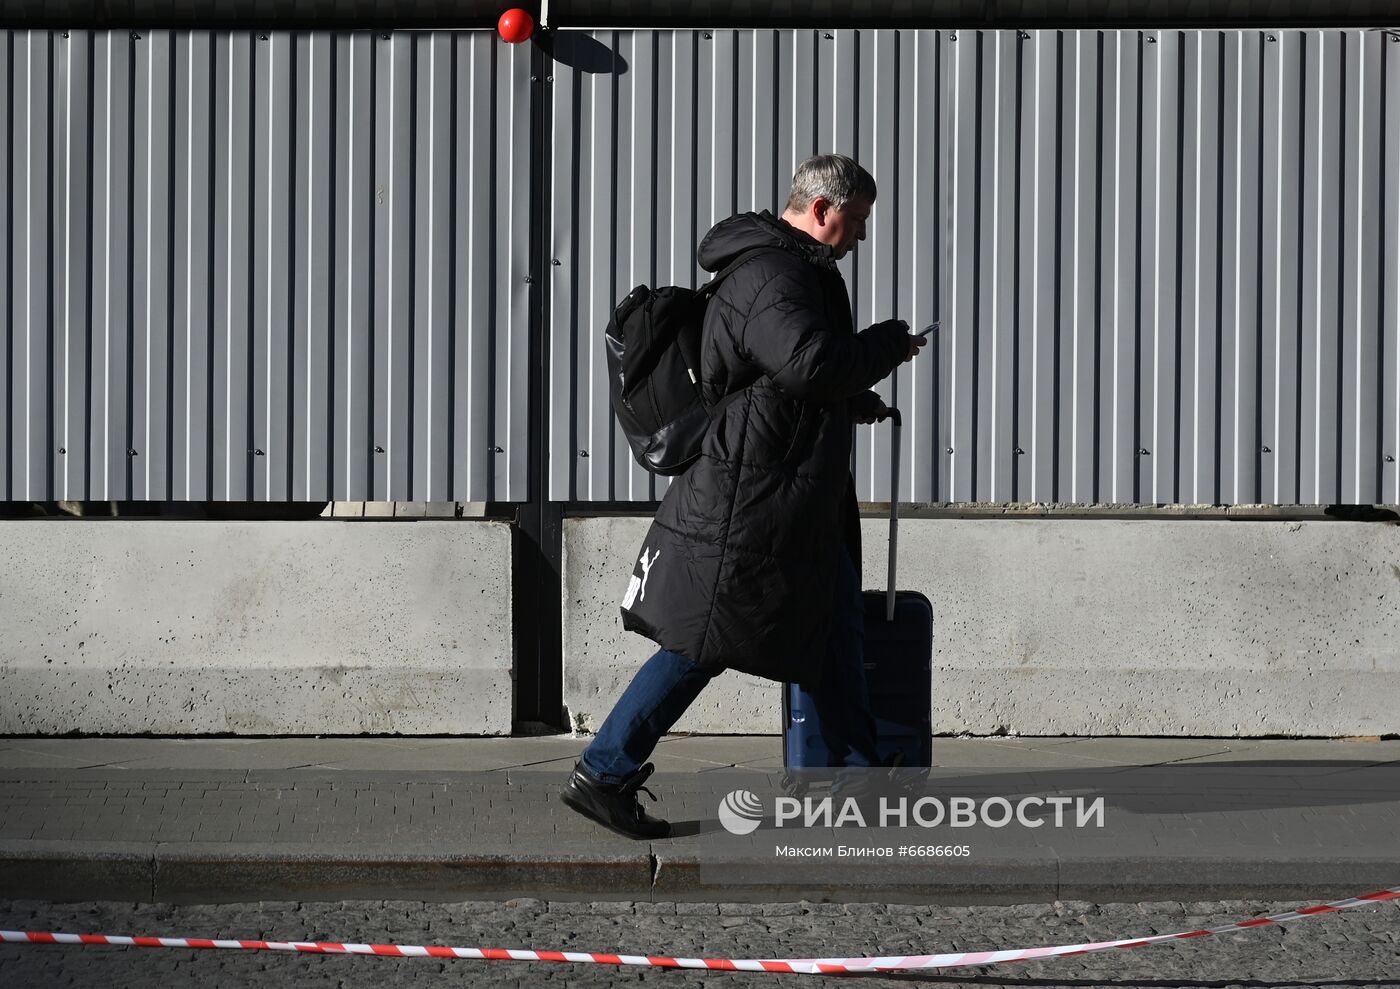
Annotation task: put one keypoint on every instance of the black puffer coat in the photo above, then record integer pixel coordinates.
(738, 569)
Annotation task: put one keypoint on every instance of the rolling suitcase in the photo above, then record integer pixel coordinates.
(898, 671)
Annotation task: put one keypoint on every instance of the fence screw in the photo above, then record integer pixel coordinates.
(950, 450)
(496, 449)
(1265, 450)
(1144, 452)
(131, 452)
(378, 449)
(1389, 458)
(1020, 452)
(63, 451)
(555, 261)
(583, 453)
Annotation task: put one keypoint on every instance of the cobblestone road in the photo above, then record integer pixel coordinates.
(1360, 947)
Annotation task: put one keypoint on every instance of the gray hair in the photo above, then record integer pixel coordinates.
(835, 178)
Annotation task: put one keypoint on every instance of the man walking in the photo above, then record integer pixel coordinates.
(752, 561)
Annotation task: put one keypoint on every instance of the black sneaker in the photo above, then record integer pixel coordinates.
(614, 805)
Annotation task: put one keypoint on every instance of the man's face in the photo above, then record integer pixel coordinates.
(842, 227)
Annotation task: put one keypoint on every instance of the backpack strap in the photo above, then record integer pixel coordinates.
(708, 289)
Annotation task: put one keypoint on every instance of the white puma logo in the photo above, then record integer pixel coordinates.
(638, 585)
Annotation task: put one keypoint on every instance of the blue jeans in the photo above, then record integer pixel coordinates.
(654, 701)
(668, 683)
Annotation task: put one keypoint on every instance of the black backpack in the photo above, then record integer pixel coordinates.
(653, 349)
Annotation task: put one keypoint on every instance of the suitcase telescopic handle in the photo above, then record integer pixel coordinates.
(894, 512)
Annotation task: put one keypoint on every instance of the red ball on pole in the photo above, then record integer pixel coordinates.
(515, 26)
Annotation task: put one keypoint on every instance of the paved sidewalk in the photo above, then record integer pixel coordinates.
(239, 820)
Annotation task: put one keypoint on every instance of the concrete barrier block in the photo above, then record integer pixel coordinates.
(318, 627)
(1077, 626)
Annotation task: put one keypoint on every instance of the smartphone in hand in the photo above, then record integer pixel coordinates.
(928, 330)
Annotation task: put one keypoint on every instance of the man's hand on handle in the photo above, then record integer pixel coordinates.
(877, 414)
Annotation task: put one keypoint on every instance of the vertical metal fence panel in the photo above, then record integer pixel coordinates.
(1039, 144)
(194, 292)
(240, 156)
(1288, 67)
(431, 311)
(1119, 204)
(1199, 140)
(597, 190)
(1239, 317)
(917, 391)
(33, 260)
(1079, 320)
(1388, 280)
(350, 306)
(1321, 136)
(1361, 456)
(1161, 451)
(286, 358)
(475, 178)
(636, 234)
(8, 399)
(513, 248)
(72, 212)
(319, 309)
(565, 344)
(996, 178)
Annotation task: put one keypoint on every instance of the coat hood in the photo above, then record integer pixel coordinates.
(730, 238)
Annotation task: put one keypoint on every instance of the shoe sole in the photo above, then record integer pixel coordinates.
(579, 807)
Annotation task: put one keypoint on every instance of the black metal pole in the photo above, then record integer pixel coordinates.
(536, 538)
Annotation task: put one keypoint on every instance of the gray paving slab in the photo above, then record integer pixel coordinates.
(729, 750)
(1139, 751)
(663, 760)
(482, 754)
(18, 756)
(242, 819)
(1294, 749)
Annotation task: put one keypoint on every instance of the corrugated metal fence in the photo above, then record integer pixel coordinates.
(264, 267)
(1166, 262)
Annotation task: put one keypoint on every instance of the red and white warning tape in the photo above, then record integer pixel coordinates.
(806, 966)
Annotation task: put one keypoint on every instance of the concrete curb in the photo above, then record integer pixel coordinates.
(231, 873)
